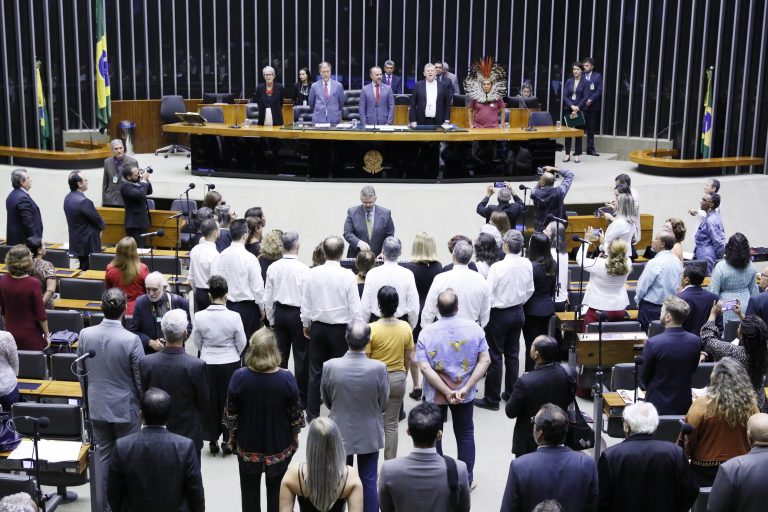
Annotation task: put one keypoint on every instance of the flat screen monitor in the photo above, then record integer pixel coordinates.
(521, 102)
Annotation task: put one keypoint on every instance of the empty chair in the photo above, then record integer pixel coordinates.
(12, 484)
(81, 289)
(629, 326)
(32, 364)
(402, 99)
(731, 330)
(169, 106)
(302, 113)
(575, 271)
(212, 114)
(99, 260)
(59, 320)
(162, 264)
(350, 113)
(669, 427)
(623, 376)
(95, 319)
(60, 259)
(61, 367)
(655, 328)
(150, 204)
(700, 378)
(459, 100)
(541, 119)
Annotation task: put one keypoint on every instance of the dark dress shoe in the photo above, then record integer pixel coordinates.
(415, 394)
(504, 396)
(593, 153)
(225, 450)
(214, 447)
(484, 403)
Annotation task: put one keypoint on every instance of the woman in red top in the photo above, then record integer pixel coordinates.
(127, 272)
(21, 302)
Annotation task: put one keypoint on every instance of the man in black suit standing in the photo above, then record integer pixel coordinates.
(84, 223)
(430, 101)
(553, 471)
(367, 225)
(134, 191)
(549, 382)
(670, 360)
(155, 469)
(699, 300)
(391, 79)
(594, 96)
(24, 218)
(182, 376)
(642, 473)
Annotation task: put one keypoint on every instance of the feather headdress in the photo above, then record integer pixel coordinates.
(486, 69)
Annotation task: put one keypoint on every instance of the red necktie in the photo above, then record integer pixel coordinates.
(327, 94)
(377, 94)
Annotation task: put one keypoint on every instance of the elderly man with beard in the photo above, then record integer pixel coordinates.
(149, 311)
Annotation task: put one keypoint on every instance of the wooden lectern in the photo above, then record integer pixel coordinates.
(114, 227)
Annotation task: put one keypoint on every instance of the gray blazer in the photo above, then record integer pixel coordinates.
(356, 390)
(370, 112)
(114, 376)
(326, 110)
(355, 229)
(110, 191)
(418, 482)
(740, 483)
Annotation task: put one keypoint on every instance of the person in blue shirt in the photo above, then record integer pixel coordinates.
(710, 237)
(659, 279)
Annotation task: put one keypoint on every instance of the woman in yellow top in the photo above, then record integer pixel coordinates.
(392, 344)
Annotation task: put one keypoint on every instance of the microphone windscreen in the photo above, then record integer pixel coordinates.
(576, 238)
(160, 232)
(91, 353)
(191, 185)
(522, 187)
(639, 360)
(43, 421)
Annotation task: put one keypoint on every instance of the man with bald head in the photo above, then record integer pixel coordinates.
(548, 198)
(740, 482)
(377, 101)
(659, 280)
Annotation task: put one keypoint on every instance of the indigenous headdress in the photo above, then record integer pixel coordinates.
(486, 69)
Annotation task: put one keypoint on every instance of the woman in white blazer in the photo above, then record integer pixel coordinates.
(606, 290)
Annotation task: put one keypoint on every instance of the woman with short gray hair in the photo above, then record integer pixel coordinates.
(269, 97)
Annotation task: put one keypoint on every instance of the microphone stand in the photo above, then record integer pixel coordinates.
(638, 362)
(83, 125)
(662, 132)
(528, 128)
(39, 498)
(237, 109)
(598, 389)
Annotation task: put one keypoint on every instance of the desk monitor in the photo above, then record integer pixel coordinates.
(521, 102)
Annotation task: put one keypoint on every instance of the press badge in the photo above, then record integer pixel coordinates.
(115, 179)
(591, 87)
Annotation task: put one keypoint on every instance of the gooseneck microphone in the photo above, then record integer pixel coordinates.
(638, 361)
(577, 238)
(90, 353)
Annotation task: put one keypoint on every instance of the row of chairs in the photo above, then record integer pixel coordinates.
(58, 257)
(33, 364)
(163, 264)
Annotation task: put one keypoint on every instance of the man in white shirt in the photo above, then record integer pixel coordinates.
(201, 258)
(391, 274)
(329, 301)
(470, 287)
(282, 304)
(242, 271)
(511, 285)
(430, 101)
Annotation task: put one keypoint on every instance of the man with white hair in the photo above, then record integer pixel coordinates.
(642, 473)
(181, 375)
(149, 311)
(431, 100)
(470, 287)
(113, 174)
(390, 274)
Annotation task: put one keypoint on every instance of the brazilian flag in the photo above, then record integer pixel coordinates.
(706, 124)
(43, 122)
(103, 95)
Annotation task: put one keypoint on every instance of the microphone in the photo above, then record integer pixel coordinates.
(83, 125)
(189, 187)
(602, 316)
(638, 361)
(159, 232)
(552, 218)
(237, 111)
(41, 422)
(528, 128)
(180, 214)
(577, 238)
(90, 353)
(523, 187)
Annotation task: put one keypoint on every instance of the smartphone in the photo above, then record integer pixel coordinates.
(597, 232)
(730, 304)
(498, 184)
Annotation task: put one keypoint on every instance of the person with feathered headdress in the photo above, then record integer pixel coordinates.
(486, 85)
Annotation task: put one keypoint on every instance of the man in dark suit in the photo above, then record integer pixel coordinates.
(391, 79)
(642, 473)
(758, 305)
(367, 225)
(419, 481)
(513, 209)
(377, 102)
(553, 471)
(155, 469)
(699, 300)
(150, 308)
(182, 376)
(134, 191)
(430, 101)
(24, 218)
(670, 360)
(84, 223)
(113, 174)
(740, 482)
(547, 383)
(594, 95)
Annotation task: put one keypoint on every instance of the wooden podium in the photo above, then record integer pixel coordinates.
(618, 347)
(114, 227)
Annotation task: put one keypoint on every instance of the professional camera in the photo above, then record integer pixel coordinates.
(147, 169)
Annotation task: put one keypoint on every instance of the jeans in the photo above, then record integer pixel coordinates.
(464, 431)
(250, 485)
(503, 335)
(367, 465)
(392, 414)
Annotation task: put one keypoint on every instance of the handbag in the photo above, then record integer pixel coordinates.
(580, 435)
(9, 439)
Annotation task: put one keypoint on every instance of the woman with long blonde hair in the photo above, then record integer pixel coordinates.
(606, 289)
(127, 272)
(719, 420)
(324, 483)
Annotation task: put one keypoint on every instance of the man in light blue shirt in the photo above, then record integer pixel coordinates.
(659, 280)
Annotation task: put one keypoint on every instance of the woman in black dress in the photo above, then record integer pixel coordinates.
(541, 305)
(301, 89)
(264, 416)
(269, 96)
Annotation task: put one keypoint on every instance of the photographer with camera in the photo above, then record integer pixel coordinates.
(548, 198)
(134, 191)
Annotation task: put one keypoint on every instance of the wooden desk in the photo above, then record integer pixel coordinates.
(60, 272)
(77, 304)
(63, 389)
(578, 223)
(663, 160)
(158, 252)
(617, 347)
(36, 392)
(114, 226)
(564, 316)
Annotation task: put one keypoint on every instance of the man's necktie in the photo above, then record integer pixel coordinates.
(389, 80)
(377, 93)
(369, 224)
(327, 93)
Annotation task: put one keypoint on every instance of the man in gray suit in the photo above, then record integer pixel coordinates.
(114, 378)
(420, 480)
(113, 174)
(326, 97)
(377, 102)
(444, 75)
(367, 225)
(356, 390)
(740, 482)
